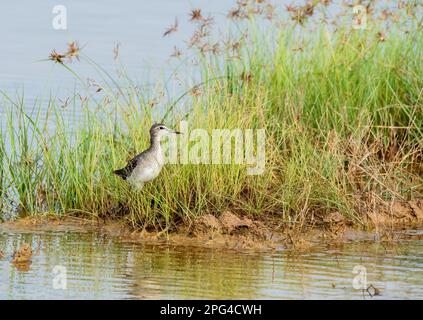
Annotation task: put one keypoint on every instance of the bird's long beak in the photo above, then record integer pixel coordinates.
(177, 132)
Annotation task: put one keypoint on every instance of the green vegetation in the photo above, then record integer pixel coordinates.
(342, 109)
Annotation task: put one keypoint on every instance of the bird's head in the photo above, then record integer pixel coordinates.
(159, 130)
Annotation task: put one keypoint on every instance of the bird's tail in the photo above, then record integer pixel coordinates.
(121, 173)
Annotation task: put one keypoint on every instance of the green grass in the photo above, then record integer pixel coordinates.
(342, 112)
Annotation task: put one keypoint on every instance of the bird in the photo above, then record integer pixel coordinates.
(148, 164)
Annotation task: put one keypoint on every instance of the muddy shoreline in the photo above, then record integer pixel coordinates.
(232, 232)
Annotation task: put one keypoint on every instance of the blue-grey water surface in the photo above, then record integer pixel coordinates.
(99, 267)
(28, 36)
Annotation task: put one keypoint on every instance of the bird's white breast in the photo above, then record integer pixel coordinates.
(149, 168)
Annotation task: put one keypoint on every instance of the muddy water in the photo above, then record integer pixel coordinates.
(97, 267)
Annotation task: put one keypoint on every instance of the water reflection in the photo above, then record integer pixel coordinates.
(99, 267)
(182, 273)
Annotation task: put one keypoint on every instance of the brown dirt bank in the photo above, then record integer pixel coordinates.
(387, 222)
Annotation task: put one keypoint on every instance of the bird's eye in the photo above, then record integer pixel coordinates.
(162, 128)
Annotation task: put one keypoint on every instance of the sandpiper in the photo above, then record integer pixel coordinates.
(147, 165)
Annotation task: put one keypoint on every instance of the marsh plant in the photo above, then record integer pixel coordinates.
(341, 107)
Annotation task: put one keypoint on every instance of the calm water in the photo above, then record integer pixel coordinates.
(28, 36)
(99, 267)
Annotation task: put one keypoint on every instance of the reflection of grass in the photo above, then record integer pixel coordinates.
(104, 268)
(97, 268)
(199, 273)
(342, 112)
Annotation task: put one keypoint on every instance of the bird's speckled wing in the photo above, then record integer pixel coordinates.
(126, 172)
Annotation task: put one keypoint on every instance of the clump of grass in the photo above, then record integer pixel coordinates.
(342, 110)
